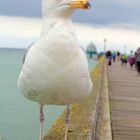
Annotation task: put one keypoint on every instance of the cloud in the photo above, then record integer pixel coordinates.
(15, 41)
(19, 32)
(21, 27)
(111, 12)
(103, 12)
(29, 8)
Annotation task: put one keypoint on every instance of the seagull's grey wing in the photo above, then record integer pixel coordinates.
(28, 49)
(84, 51)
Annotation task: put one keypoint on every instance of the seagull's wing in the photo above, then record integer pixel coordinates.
(28, 49)
(84, 52)
(83, 49)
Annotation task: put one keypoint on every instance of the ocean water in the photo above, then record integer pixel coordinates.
(19, 118)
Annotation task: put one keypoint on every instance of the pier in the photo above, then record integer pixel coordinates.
(124, 89)
(110, 112)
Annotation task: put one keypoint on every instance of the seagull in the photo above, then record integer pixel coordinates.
(55, 68)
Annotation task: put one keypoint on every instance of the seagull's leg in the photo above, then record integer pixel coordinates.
(41, 121)
(67, 120)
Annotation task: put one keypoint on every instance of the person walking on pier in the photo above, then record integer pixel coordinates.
(114, 56)
(131, 59)
(137, 61)
(118, 55)
(124, 59)
(109, 57)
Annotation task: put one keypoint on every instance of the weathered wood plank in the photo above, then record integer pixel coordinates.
(124, 89)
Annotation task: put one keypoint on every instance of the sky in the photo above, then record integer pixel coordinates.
(102, 11)
(116, 20)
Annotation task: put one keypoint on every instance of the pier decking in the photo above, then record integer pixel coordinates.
(90, 118)
(124, 89)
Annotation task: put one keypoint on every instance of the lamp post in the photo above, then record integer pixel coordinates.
(105, 40)
(125, 47)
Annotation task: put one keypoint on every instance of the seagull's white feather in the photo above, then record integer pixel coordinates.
(55, 70)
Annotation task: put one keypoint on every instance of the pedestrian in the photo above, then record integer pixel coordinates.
(122, 60)
(114, 56)
(118, 55)
(110, 60)
(131, 59)
(125, 59)
(137, 61)
(109, 57)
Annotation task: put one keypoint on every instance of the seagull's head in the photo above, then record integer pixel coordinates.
(63, 8)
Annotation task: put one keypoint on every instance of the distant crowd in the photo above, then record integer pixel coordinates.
(133, 58)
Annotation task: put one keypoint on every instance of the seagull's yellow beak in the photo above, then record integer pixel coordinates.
(82, 4)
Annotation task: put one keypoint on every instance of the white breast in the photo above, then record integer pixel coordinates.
(55, 70)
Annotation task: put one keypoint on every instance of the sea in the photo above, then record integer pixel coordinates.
(19, 118)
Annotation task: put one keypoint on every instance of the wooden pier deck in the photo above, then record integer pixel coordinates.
(124, 89)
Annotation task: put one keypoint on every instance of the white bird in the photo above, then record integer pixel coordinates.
(55, 69)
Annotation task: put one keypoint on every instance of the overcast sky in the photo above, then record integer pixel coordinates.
(102, 12)
(116, 20)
